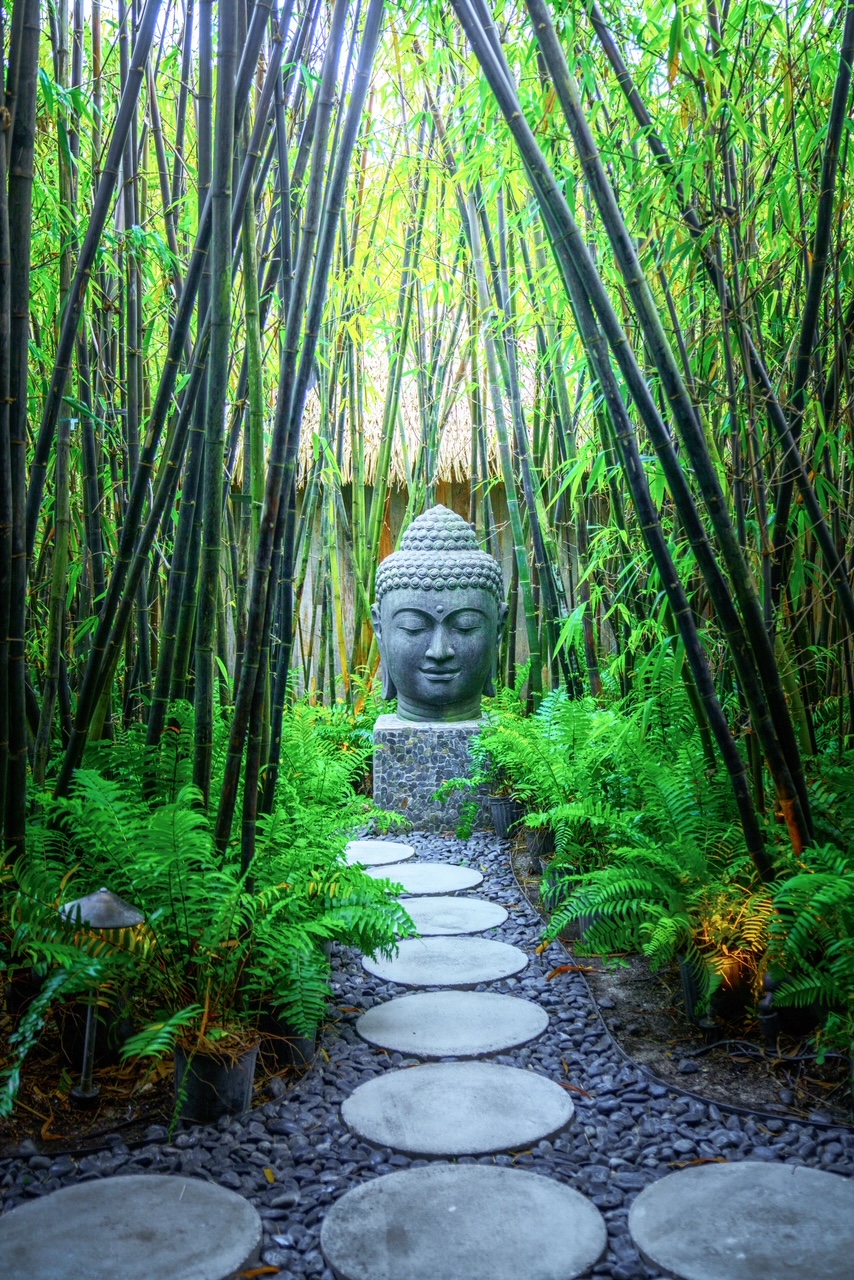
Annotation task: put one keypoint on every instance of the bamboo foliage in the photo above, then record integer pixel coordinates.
(275, 276)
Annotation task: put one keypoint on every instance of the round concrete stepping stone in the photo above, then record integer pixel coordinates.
(457, 1109)
(377, 853)
(431, 877)
(447, 1221)
(135, 1227)
(747, 1220)
(452, 1024)
(434, 917)
(448, 962)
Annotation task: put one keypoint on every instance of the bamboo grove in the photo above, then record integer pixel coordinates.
(267, 269)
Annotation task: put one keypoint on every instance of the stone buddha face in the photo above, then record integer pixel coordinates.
(438, 620)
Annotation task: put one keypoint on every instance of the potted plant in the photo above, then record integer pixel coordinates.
(225, 948)
(242, 950)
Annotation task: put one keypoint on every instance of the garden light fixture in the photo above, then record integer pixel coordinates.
(103, 912)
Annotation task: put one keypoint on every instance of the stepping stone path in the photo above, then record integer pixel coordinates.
(448, 962)
(430, 877)
(458, 1109)
(136, 1227)
(377, 853)
(300, 1165)
(435, 917)
(748, 1220)
(462, 1222)
(448, 1221)
(448, 1024)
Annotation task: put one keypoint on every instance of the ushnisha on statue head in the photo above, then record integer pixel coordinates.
(438, 617)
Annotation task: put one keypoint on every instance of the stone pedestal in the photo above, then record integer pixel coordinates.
(412, 759)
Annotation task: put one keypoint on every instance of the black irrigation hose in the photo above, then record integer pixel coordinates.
(758, 1052)
(730, 1108)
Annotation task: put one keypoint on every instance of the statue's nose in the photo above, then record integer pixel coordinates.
(440, 647)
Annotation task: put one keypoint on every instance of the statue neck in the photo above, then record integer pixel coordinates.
(412, 709)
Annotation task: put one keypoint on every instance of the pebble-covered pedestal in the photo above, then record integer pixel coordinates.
(411, 761)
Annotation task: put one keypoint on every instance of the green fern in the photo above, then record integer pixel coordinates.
(812, 939)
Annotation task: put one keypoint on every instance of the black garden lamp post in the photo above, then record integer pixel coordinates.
(103, 912)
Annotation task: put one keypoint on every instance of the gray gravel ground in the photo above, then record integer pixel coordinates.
(628, 1130)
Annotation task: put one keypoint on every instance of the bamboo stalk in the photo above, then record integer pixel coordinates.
(58, 587)
(82, 274)
(24, 59)
(6, 493)
(217, 386)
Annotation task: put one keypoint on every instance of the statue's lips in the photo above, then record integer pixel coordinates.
(439, 675)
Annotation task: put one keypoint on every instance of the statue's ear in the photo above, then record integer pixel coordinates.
(489, 687)
(503, 610)
(389, 688)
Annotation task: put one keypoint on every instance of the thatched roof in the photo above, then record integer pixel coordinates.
(455, 424)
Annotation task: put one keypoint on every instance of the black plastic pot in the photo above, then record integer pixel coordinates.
(505, 810)
(792, 1020)
(208, 1086)
(692, 988)
(20, 989)
(576, 929)
(282, 1047)
(540, 841)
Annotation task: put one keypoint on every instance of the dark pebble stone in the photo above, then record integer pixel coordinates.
(275, 1258)
(607, 1105)
(687, 1067)
(286, 1127)
(184, 1140)
(629, 1181)
(286, 1199)
(658, 1091)
(610, 1199)
(284, 1240)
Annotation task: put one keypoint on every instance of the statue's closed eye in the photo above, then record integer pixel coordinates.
(412, 622)
(466, 620)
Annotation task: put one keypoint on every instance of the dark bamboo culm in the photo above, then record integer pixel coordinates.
(21, 95)
(784, 756)
(136, 536)
(270, 525)
(333, 204)
(218, 371)
(572, 258)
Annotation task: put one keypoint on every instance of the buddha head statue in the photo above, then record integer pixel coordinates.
(438, 617)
